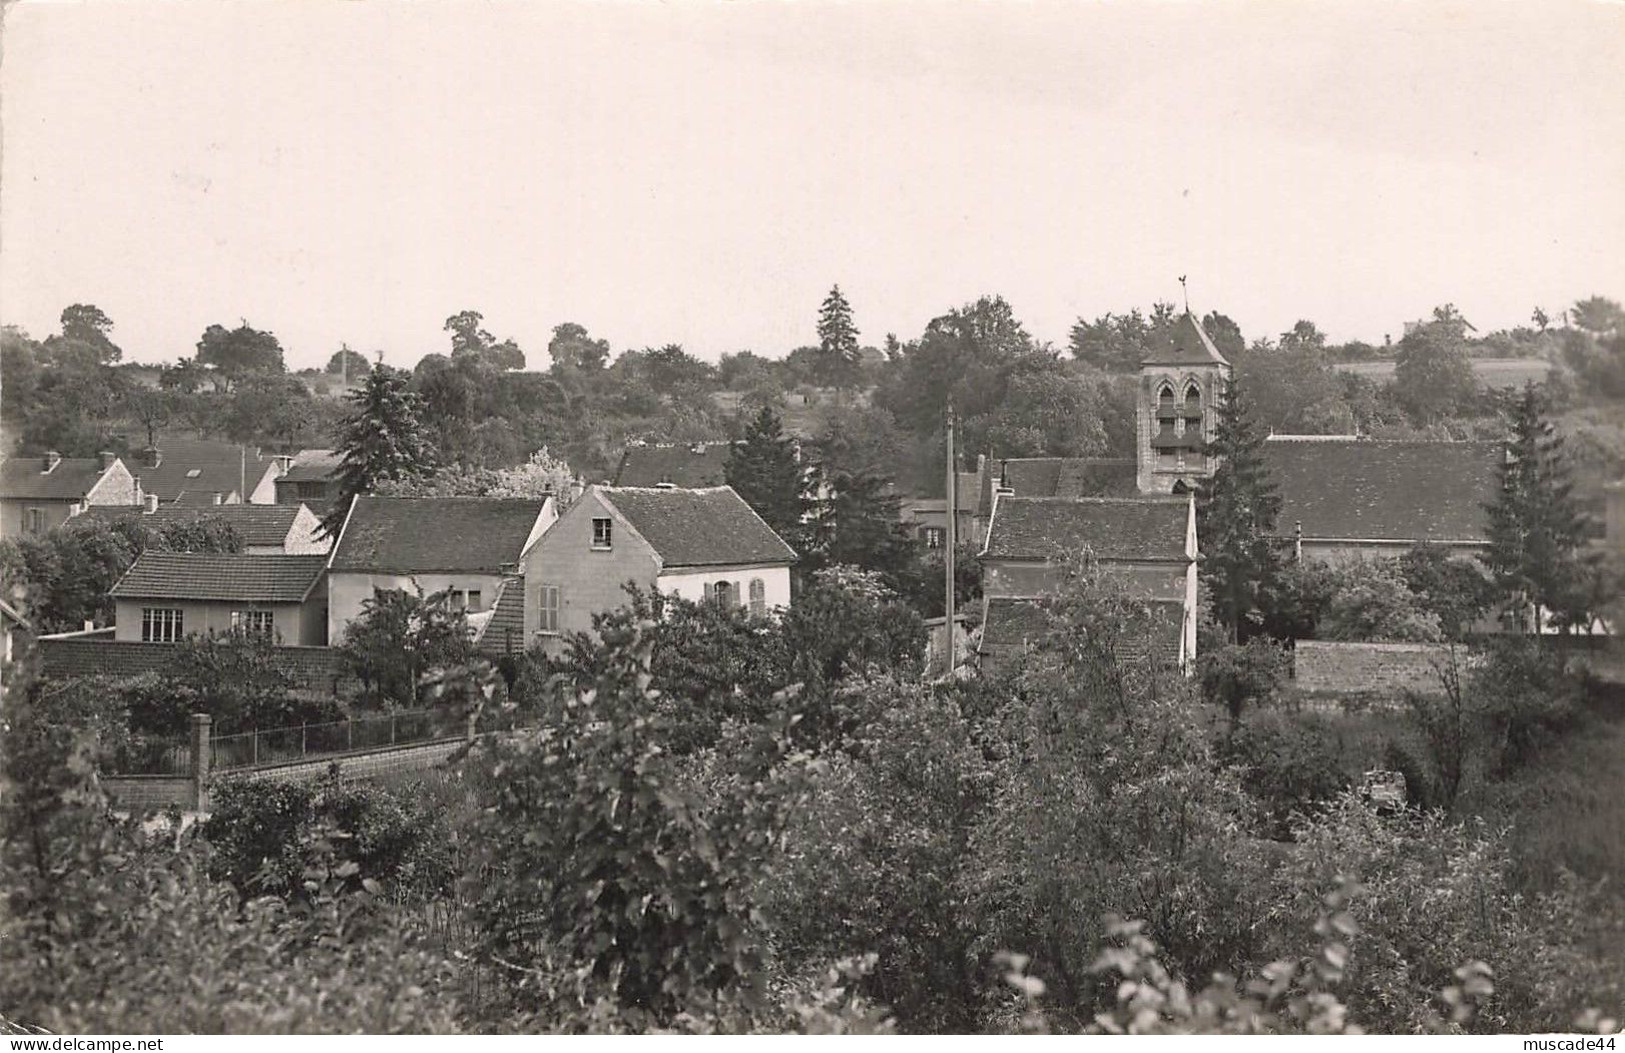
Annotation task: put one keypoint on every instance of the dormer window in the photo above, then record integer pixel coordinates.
(602, 535)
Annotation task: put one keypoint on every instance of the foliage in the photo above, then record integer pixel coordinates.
(837, 341)
(1236, 508)
(1436, 894)
(766, 471)
(1455, 591)
(1373, 602)
(382, 441)
(1289, 763)
(468, 339)
(231, 355)
(402, 636)
(236, 678)
(111, 930)
(601, 879)
(1243, 676)
(1433, 376)
(261, 832)
(1536, 530)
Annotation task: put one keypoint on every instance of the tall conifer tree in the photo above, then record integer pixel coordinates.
(837, 341)
(1537, 532)
(765, 471)
(1236, 511)
(382, 439)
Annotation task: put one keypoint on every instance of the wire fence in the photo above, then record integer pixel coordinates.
(285, 745)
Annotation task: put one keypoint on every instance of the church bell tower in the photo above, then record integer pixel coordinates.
(1181, 384)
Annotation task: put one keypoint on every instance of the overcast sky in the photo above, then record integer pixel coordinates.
(702, 173)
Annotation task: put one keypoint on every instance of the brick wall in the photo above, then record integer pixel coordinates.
(1383, 670)
(321, 669)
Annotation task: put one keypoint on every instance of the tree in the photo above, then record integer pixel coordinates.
(1433, 375)
(572, 348)
(235, 353)
(1537, 532)
(766, 472)
(152, 409)
(837, 341)
(382, 441)
(467, 338)
(1047, 414)
(86, 324)
(1236, 511)
(345, 360)
(399, 637)
(543, 475)
(1374, 603)
(861, 526)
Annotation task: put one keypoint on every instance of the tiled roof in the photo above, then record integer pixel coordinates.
(1009, 625)
(1059, 477)
(1375, 489)
(408, 535)
(212, 576)
(505, 622)
(1188, 346)
(707, 527)
(686, 465)
(254, 524)
(1144, 528)
(221, 467)
(22, 477)
(313, 466)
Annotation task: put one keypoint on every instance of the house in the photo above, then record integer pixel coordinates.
(927, 517)
(206, 472)
(703, 544)
(467, 546)
(39, 492)
(1344, 496)
(1145, 545)
(1050, 477)
(312, 478)
(687, 465)
(166, 596)
(265, 530)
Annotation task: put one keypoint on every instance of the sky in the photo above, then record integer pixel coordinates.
(702, 173)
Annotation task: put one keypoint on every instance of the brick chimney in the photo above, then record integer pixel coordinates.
(107, 459)
(149, 503)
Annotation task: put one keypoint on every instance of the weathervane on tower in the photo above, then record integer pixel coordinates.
(1186, 293)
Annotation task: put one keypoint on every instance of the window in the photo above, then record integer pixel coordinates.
(475, 599)
(464, 599)
(934, 537)
(254, 623)
(547, 608)
(758, 597)
(1193, 398)
(34, 520)
(722, 592)
(161, 625)
(1165, 401)
(601, 535)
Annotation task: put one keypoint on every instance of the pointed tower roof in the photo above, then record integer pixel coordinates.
(1190, 346)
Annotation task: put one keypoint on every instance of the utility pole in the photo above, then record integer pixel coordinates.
(949, 542)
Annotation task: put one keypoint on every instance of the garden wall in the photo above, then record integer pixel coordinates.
(1371, 670)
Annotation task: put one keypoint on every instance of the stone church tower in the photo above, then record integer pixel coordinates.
(1177, 409)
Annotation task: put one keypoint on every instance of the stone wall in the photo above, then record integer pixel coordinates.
(415, 757)
(139, 794)
(1373, 670)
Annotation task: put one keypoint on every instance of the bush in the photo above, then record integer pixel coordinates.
(1242, 676)
(259, 828)
(1290, 764)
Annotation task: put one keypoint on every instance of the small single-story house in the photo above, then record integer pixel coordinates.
(167, 596)
(39, 492)
(467, 546)
(703, 544)
(1345, 496)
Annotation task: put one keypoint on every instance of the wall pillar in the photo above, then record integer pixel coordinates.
(201, 757)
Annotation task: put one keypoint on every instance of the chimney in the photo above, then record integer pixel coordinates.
(219, 498)
(51, 460)
(152, 457)
(149, 503)
(107, 458)
(1004, 486)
